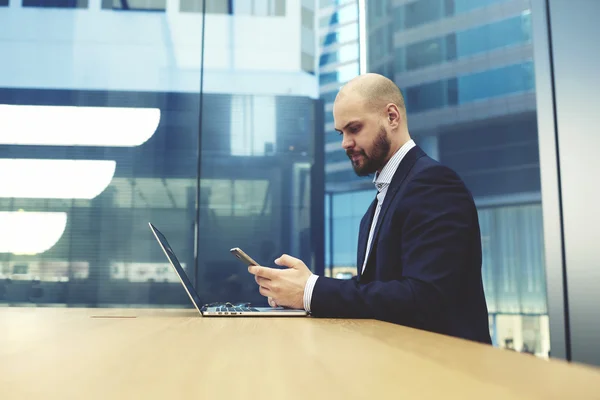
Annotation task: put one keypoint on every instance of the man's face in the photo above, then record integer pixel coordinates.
(365, 138)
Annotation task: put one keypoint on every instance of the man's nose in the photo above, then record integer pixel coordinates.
(347, 143)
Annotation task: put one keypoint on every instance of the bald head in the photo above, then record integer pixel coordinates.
(370, 115)
(376, 91)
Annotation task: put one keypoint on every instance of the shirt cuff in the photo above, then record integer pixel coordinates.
(308, 290)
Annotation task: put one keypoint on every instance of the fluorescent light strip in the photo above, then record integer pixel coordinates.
(30, 233)
(54, 179)
(76, 126)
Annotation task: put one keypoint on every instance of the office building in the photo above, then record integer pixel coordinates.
(117, 113)
(466, 71)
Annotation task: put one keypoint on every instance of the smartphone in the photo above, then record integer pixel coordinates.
(239, 253)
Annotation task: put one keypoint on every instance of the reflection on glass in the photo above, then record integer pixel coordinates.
(54, 179)
(134, 5)
(30, 233)
(252, 125)
(56, 3)
(77, 126)
(99, 148)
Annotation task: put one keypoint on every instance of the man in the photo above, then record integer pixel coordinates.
(419, 246)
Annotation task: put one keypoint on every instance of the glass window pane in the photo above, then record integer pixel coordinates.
(477, 116)
(423, 11)
(348, 14)
(328, 77)
(212, 6)
(425, 53)
(347, 33)
(55, 3)
(308, 18)
(150, 5)
(348, 72)
(465, 43)
(215, 145)
(496, 82)
(426, 97)
(344, 242)
(278, 8)
(492, 36)
(462, 6)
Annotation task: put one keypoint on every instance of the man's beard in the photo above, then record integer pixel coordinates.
(376, 161)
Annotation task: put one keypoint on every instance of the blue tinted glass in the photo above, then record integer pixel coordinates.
(461, 6)
(347, 33)
(330, 39)
(488, 37)
(400, 59)
(333, 19)
(328, 77)
(348, 13)
(348, 52)
(496, 82)
(255, 152)
(332, 136)
(345, 176)
(327, 3)
(425, 53)
(422, 12)
(328, 58)
(361, 202)
(329, 97)
(56, 3)
(342, 205)
(348, 72)
(339, 155)
(344, 240)
(426, 97)
(425, 11)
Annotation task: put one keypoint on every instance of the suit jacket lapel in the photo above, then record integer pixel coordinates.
(363, 235)
(403, 169)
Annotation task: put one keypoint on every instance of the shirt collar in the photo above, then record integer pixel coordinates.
(383, 179)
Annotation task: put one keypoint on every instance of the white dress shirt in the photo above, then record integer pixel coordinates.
(382, 183)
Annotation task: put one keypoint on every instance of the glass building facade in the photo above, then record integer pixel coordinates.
(116, 114)
(466, 70)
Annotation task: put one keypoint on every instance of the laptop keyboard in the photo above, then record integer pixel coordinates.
(235, 309)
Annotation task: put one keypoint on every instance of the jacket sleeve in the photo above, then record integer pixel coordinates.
(436, 237)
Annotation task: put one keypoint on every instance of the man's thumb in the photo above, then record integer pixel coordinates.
(287, 261)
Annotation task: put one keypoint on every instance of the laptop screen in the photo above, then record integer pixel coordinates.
(178, 268)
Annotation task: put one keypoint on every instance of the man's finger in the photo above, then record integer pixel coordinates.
(262, 281)
(272, 302)
(288, 261)
(265, 291)
(263, 272)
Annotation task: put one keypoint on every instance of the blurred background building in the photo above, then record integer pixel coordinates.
(124, 112)
(466, 70)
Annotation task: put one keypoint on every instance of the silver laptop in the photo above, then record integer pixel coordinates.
(221, 309)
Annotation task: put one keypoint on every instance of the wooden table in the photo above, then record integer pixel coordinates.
(65, 353)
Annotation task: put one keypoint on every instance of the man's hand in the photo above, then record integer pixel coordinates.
(283, 287)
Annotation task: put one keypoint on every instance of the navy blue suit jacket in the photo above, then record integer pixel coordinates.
(424, 267)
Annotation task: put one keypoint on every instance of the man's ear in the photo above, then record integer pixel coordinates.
(393, 113)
